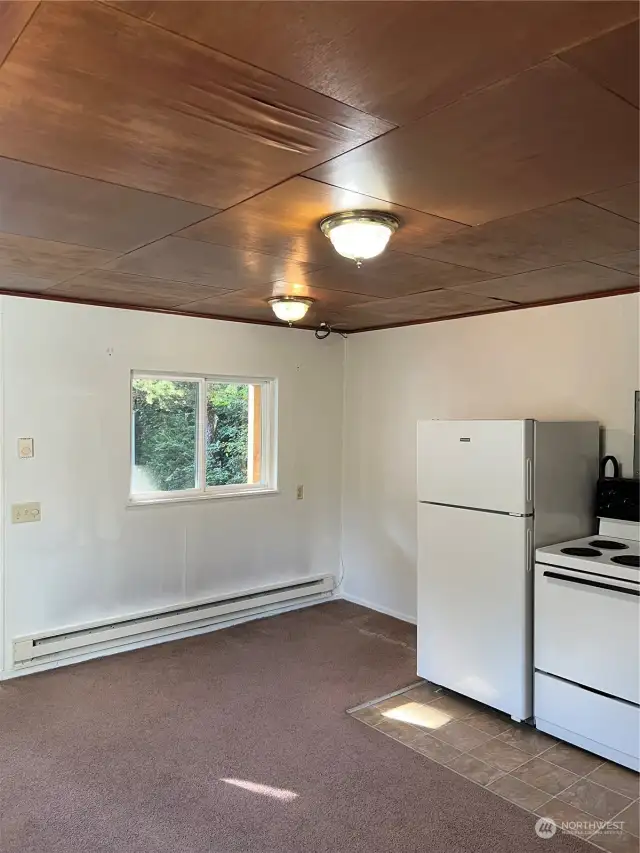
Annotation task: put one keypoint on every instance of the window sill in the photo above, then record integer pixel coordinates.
(212, 496)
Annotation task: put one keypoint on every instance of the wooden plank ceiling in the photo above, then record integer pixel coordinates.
(179, 155)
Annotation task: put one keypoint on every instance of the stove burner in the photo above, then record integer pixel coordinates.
(627, 560)
(608, 545)
(582, 552)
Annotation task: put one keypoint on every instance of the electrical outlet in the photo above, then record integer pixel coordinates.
(300, 493)
(23, 513)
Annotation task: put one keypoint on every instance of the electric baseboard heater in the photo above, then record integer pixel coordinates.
(104, 635)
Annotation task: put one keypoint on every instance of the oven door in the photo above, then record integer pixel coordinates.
(586, 630)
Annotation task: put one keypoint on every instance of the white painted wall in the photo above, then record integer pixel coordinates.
(91, 557)
(573, 361)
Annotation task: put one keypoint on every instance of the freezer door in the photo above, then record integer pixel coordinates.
(474, 605)
(481, 464)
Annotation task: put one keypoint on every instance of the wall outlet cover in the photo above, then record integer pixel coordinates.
(24, 513)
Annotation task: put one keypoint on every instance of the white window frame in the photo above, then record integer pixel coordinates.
(268, 481)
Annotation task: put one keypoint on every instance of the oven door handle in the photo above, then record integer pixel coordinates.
(596, 584)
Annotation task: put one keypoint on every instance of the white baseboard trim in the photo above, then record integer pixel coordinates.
(354, 599)
(167, 637)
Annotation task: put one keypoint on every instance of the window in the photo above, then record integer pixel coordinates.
(200, 436)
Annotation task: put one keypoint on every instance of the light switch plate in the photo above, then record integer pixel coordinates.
(25, 448)
(24, 513)
(300, 493)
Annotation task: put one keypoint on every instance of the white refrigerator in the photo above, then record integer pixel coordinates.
(489, 493)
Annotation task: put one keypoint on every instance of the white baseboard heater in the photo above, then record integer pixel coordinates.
(78, 640)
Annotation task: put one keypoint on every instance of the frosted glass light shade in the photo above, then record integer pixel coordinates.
(359, 235)
(290, 308)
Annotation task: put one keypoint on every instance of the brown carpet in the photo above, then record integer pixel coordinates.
(126, 754)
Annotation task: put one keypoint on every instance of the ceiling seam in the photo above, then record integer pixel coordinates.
(112, 183)
(607, 209)
(616, 269)
(306, 177)
(605, 32)
(497, 277)
(19, 35)
(598, 83)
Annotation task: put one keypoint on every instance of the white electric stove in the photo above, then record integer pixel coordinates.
(606, 553)
(587, 640)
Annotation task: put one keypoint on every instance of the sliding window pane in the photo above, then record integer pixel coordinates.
(165, 418)
(234, 435)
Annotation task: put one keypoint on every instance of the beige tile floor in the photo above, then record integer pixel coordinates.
(594, 799)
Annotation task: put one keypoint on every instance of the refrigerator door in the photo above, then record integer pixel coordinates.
(474, 605)
(478, 464)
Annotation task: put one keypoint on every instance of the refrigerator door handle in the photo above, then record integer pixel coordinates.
(529, 546)
(529, 479)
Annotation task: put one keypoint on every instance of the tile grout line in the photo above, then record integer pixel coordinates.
(612, 819)
(530, 757)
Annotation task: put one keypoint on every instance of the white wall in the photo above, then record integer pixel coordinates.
(573, 361)
(93, 558)
(65, 376)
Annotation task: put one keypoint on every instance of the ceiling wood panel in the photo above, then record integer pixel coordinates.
(553, 283)
(206, 141)
(626, 262)
(398, 60)
(611, 60)
(421, 306)
(14, 16)
(571, 230)
(620, 200)
(39, 202)
(115, 287)
(30, 264)
(90, 90)
(220, 267)
(283, 221)
(544, 136)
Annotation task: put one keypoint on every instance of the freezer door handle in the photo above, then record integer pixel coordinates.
(529, 549)
(585, 582)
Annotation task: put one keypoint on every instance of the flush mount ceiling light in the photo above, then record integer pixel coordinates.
(290, 308)
(359, 234)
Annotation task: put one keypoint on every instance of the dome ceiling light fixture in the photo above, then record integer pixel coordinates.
(290, 308)
(359, 234)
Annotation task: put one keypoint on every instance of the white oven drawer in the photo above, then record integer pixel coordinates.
(586, 630)
(608, 727)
